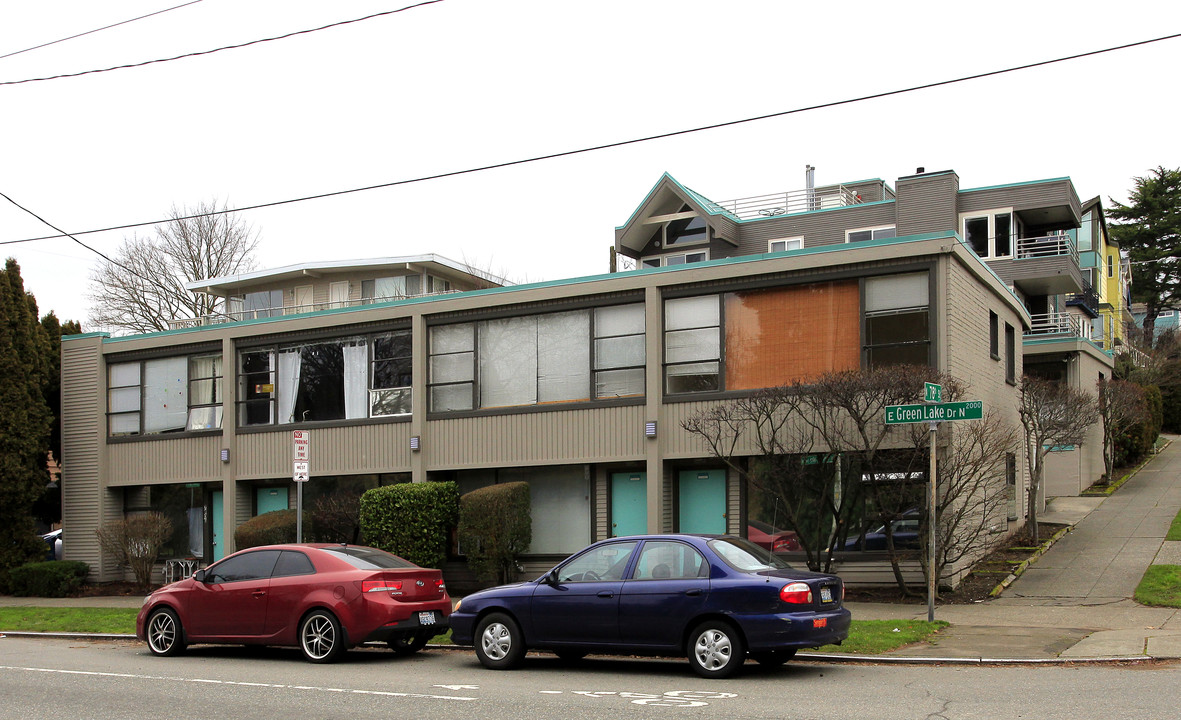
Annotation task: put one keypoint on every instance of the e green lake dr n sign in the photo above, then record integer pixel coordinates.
(969, 410)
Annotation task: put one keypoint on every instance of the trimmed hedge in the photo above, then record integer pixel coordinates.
(51, 578)
(270, 528)
(494, 528)
(412, 520)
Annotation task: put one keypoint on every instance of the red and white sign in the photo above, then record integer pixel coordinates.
(302, 443)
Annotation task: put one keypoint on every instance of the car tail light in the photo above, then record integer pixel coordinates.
(440, 585)
(368, 586)
(797, 593)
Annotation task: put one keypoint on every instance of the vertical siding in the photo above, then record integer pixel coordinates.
(196, 459)
(379, 448)
(82, 420)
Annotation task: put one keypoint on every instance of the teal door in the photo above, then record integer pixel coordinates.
(629, 504)
(219, 549)
(702, 501)
(270, 499)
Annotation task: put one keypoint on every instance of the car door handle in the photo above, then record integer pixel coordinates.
(606, 594)
(259, 593)
(693, 593)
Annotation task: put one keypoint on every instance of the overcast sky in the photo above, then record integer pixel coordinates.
(465, 83)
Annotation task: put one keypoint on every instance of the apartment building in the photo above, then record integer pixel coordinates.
(578, 386)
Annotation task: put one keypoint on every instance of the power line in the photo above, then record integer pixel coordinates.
(105, 27)
(226, 47)
(621, 143)
(66, 234)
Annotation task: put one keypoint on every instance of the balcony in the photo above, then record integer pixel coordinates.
(1087, 301)
(1043, 265)
(220, 318)
(787, 203)
(1057, 323)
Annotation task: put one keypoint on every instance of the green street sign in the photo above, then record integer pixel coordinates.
(932, 393)
(899, 414)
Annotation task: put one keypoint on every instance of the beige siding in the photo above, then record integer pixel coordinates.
(195, 459)
(927, 203)
(570, 436)
(377, 448)
(86, 505)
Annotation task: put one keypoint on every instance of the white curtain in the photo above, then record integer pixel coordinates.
(508, 362)
(288, 383)
(166, 394)
(356, 380)
(563, 356)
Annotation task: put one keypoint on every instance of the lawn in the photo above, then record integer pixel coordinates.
(1160, 586)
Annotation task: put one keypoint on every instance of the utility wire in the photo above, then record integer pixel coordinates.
(226, 47)
(621, 143)
(105, 27)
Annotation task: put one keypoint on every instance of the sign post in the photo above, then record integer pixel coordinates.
(301, 441)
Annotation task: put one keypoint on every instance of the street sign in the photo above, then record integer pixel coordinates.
(301, 472)
(932, 393)
(302, 444)
(898, 414)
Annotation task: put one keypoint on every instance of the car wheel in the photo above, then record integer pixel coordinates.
(715, 650)
(569, 656)
(409, 644)
(499, 643)
(773, 658)
(320, 637)
(165, 636)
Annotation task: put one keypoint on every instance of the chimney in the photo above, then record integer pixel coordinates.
(810, 186)
(920, 170)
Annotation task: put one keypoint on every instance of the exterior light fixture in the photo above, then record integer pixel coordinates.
(650, 429)
(415, 443)
(225, 455)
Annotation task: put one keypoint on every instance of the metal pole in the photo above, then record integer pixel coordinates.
(298, 512)
(931, 522)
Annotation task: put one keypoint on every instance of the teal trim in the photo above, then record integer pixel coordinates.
(1016, 184)
(83, 336)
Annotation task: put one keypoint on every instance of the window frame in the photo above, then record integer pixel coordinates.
(990, 216)
(787, 243)
(1010, 354)
(142, 388)
(868, 347)
(873, 231)
(994, 335)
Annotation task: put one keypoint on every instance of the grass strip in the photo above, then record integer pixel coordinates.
(68, 619)
(874, 637)
(1160, 586)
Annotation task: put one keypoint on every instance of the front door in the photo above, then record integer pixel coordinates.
(219, 550)
(269, 499)
(702, 502)
(629, 504)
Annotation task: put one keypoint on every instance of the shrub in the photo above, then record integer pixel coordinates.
(52, 578)
(494, 528)
(411, 520)
(270, 528)
(135, 542)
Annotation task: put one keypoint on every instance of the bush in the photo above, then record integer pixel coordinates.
(412, 520)
(494, 528)
(135, 542)
(52, 578)
(268, 529)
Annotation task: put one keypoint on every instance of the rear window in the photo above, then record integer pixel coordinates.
(366, 558)
(745, 556)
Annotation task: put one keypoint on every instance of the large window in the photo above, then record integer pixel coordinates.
(559, 499)
(897, 320)
(538, 359)
(992, 233)
(692, 347)
(386, 288)
(874, 233)
(336, 379)
(164, 395)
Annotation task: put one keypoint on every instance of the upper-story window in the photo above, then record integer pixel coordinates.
(559, 357)
(785, 244)
(990, 234)
(386, 288)
(334, 379)
(897, 320)
(164, 395)
(870, 233)
(437, 285)
(672, 259)
(261, 304)
(1086, 232)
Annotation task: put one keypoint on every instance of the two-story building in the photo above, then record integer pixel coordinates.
(579, 386)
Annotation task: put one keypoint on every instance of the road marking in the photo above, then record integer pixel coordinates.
(131, 676)
(672, 698)
(459, 687)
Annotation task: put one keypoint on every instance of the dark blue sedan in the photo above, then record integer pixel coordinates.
(713, 598)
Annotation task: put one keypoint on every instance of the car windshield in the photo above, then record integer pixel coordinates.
(366, 558)
(745, 556)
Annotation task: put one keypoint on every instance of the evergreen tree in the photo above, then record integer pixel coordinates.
(48, 508)
(24, 418)
(1149, 228)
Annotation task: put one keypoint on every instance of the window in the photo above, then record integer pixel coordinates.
(1085, 232)
(650, 262)
(874, 233)
(687, 229)
(1165, 314)
(667, 560)
(538, 359)
(338, 294)
(897, 320)
(247, 566)
(1110, 266)
(990, 233)
(994, 340)
(387, 288)
(1010, 354)
(336, 379)
(785, 244)
(437, 285)
(677, 259)
(293, 563)
(263, 304)
(1011, 484)
(164, 395)
(692, 335)
(603, 563)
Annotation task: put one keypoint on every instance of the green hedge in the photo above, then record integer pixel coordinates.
(270, 528)
(412, 520)
(494, 528)
(52, 578)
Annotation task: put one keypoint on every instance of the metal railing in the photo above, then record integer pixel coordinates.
(1056, 323)
(219, 318)
(1046, 246)
(788, 203)
(1088, 298)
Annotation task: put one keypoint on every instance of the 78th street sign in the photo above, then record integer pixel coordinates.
(898, 414)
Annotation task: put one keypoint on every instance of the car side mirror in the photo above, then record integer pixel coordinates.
(550, 578)
(199, 576)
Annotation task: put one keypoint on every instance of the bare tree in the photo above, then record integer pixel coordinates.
(136, 541)
(1122, 405)
(143, 286)
(1052, 414)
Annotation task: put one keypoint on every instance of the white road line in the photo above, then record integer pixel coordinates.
(92, 673)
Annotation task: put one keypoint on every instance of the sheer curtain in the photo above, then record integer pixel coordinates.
(356, 379)
(288, 383)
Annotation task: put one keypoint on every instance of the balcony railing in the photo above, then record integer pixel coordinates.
(1056, 323)
(788, 203)
(1088, 299)
(1047, 246)
(219, 318)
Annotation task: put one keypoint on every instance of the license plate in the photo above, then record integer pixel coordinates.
(826, 594)
(819, 622)
(426, 618)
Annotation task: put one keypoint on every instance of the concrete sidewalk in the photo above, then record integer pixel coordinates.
(1073, 605)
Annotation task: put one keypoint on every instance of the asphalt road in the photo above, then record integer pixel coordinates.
(48, 679)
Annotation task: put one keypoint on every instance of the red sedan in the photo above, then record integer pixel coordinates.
(320, 598)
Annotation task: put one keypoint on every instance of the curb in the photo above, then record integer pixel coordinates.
(1020, 569)
(1109, 490)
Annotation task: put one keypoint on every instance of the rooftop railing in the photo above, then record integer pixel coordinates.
(788, 203)
(1056, 323)
(219, 318)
